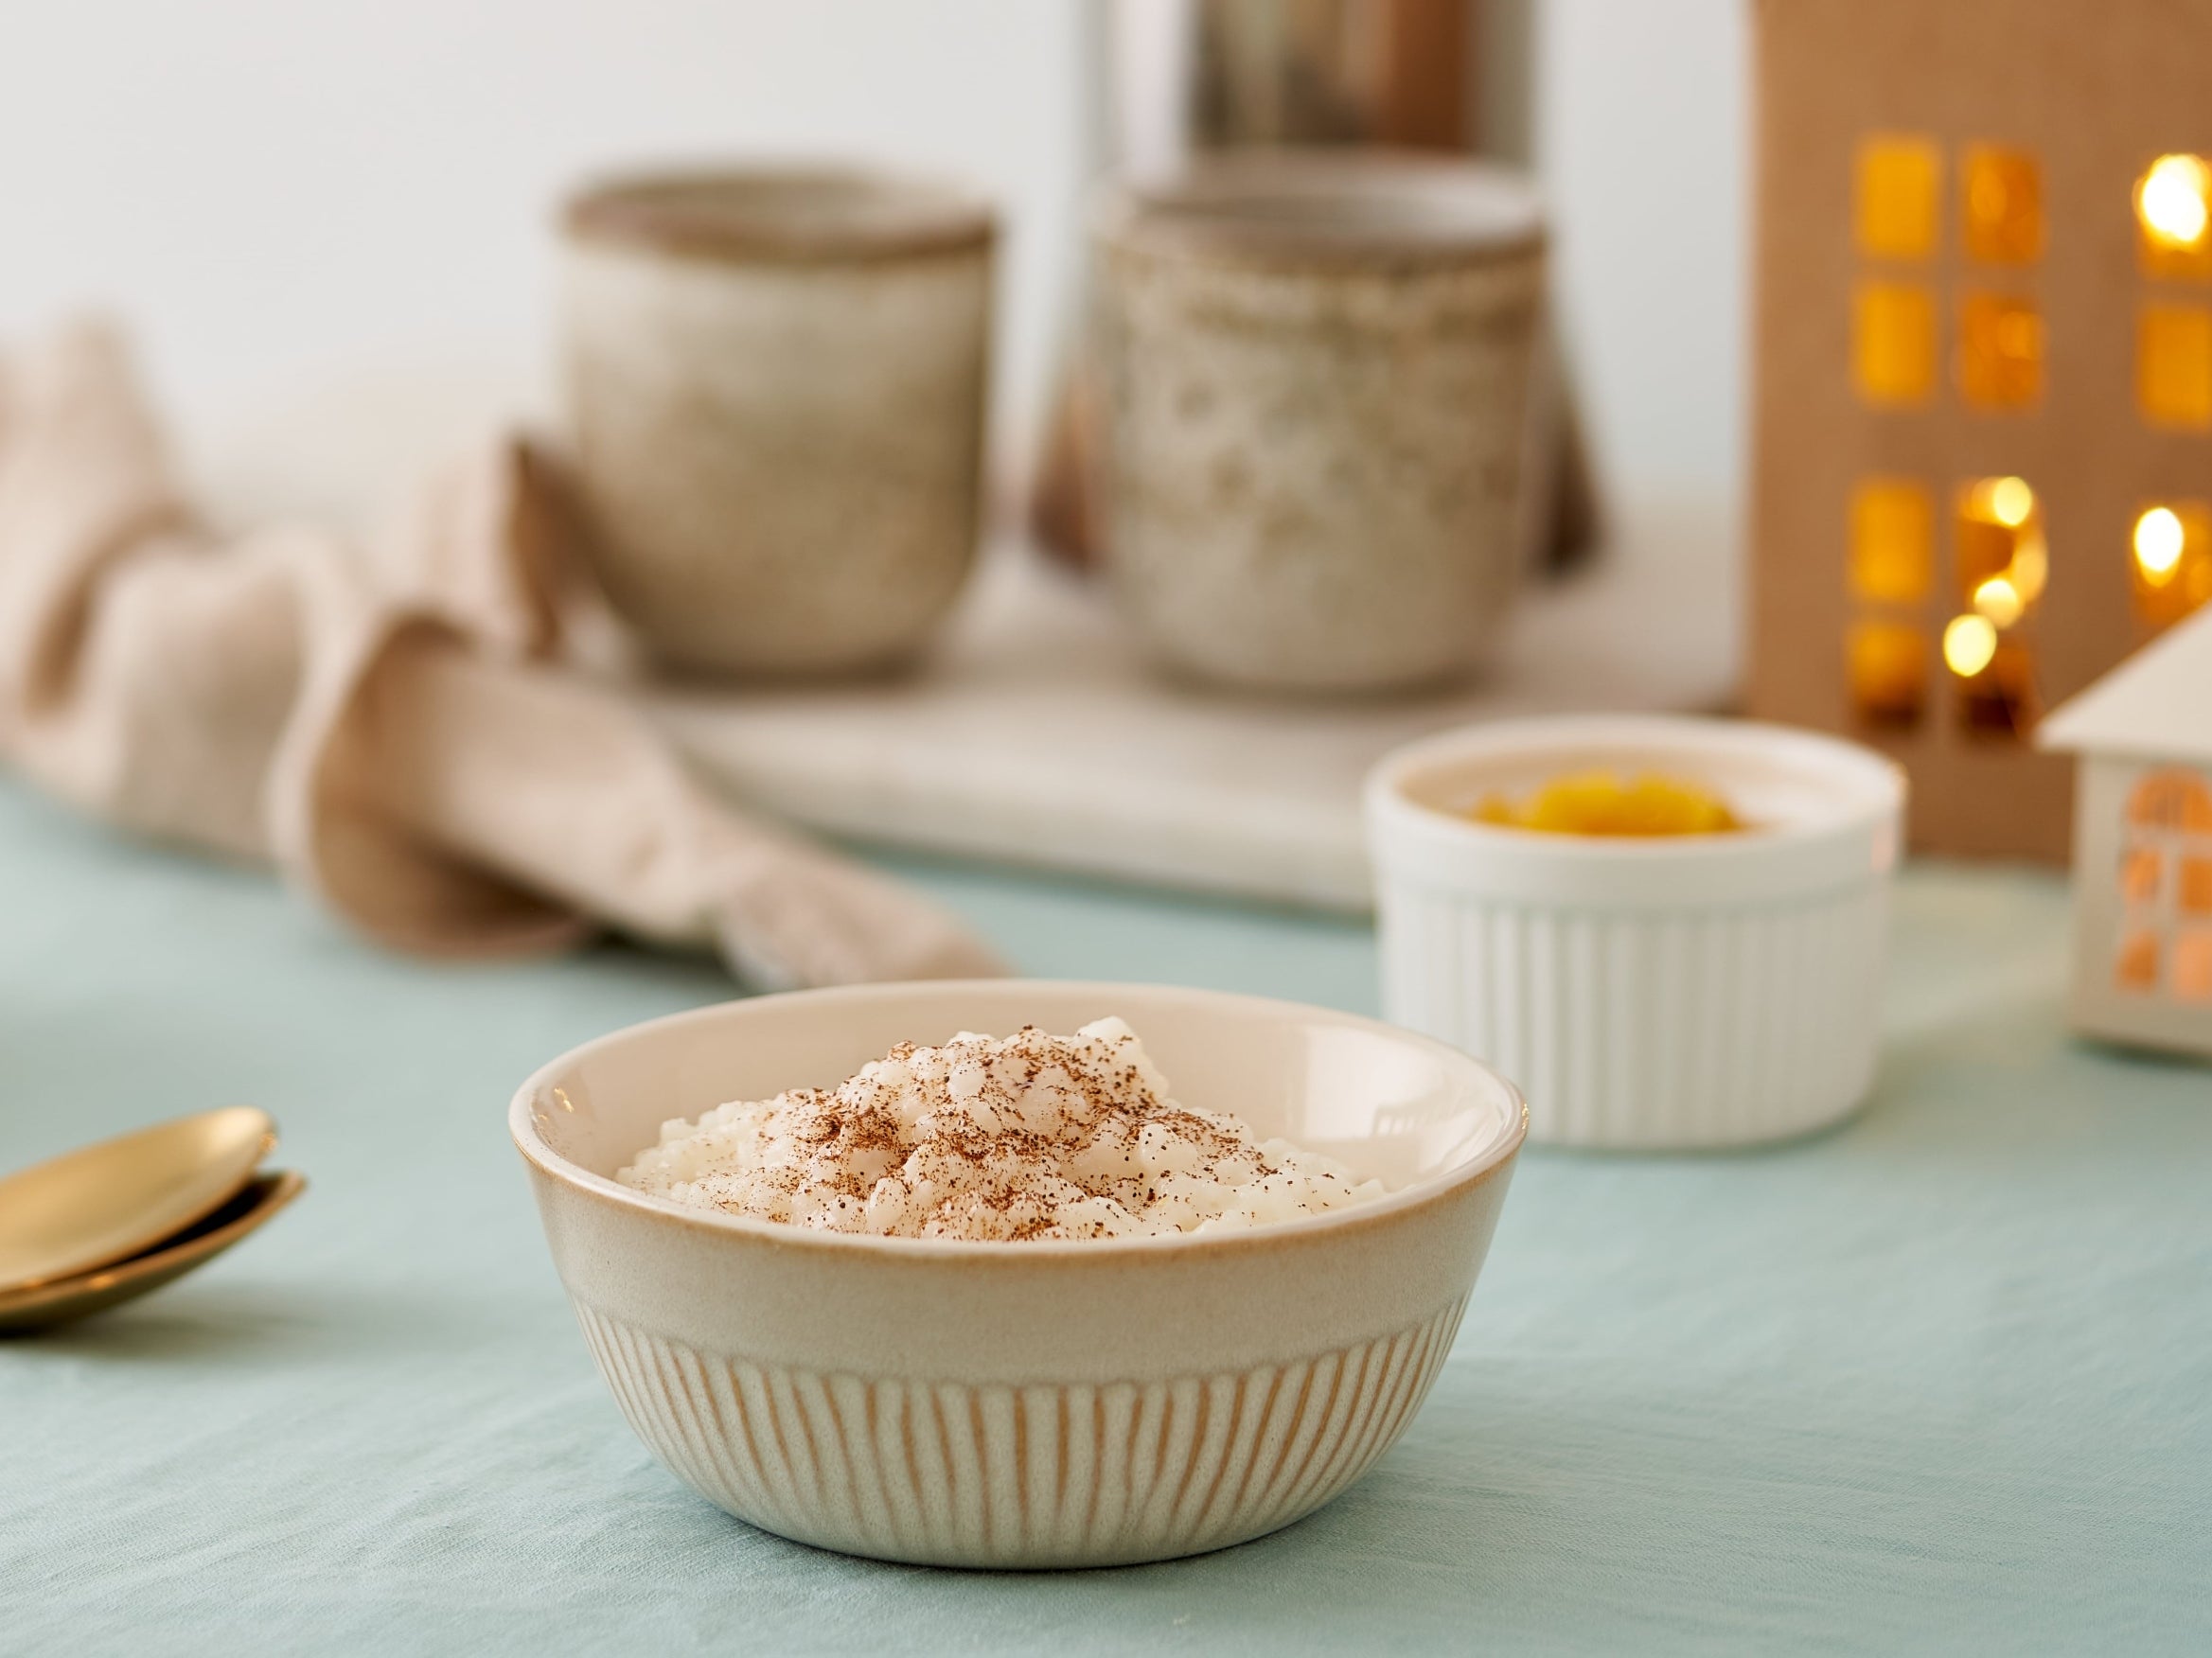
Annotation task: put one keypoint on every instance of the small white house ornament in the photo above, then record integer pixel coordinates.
(2143, 844)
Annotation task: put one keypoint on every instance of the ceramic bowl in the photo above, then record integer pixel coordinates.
(1025, 1404)
(1680, 991)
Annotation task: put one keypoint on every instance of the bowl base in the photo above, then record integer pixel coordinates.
(996, 1476)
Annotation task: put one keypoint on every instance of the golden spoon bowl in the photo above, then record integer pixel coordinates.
(43, 1306)
(108, 1202)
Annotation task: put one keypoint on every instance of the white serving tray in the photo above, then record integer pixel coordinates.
(1037, 736)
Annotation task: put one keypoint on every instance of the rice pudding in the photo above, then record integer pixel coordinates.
(1009, 1139)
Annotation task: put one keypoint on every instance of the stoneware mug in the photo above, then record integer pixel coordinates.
(1316, 371)
(775, 380)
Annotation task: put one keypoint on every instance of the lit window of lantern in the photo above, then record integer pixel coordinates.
(2193, 966)
(2171, 800)
(2136, 966)
(1899, 192)
(1999, 551)
(2172, 560)
(2003, 207)
(2193, 891)
(2140, 868)
(1995, 675)
(2000, 351)
(1893, 537)
(1888, 666)
(1893, 342)
(2032, 564)
(2174, 219)
(2174, 365)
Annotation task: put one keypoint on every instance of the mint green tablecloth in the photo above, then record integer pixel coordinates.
(1941, 1381)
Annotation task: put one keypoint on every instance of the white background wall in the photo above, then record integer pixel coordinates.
(1641, 126)
(281, 196)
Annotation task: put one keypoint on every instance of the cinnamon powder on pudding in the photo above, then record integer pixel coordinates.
(1010, 1138)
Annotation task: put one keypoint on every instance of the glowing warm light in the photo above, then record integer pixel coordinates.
(2004, 205)
(2030, 567)
(1888, 671)
(2159, 539)
(1893, 342)
(2135, 965)
(2171, 800)
(2193, 966)
(2000, 351)
(2171, 566)
(1998, 551)
(2170, 201)
(1968, 645)
(1893, 533)
(1899, 185)
(2193, 896)
(2174, 365)
(1999, 600)
(2011, 502)
(2140, 869)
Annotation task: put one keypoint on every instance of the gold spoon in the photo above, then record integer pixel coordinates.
(45, 1305)
(108, 1202)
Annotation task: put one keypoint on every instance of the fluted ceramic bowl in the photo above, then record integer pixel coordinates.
(1025, 1404)
(1648, 992)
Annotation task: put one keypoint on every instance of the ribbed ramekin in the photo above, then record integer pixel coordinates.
(1025, 1404)
(1644, 992)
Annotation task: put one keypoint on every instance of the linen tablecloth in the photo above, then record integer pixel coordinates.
(1939, 1381)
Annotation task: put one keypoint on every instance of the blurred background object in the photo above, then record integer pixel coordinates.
(334, 235)
(388, 723)
(2142, 967)
(355, 196)
(1984, 355)
(331, 228)
(774, 407)
(1312, 369)
(1387, 72)
(1185, 79)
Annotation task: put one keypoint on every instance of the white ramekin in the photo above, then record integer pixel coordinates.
(1651, 992)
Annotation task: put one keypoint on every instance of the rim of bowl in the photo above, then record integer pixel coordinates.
(797, 211)
(1882, 795)
(1318, 207)
(522, 1129)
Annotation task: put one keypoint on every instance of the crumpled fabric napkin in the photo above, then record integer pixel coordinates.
(388, 724)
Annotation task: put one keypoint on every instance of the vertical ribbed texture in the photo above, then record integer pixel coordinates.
(1636, 1028)
(950, 1473)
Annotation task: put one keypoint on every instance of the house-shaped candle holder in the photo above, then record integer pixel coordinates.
(1983, 400)
(2143, 845)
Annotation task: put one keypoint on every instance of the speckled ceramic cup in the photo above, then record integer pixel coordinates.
(1316, 370)
(1078, 1403)
(776, 387)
